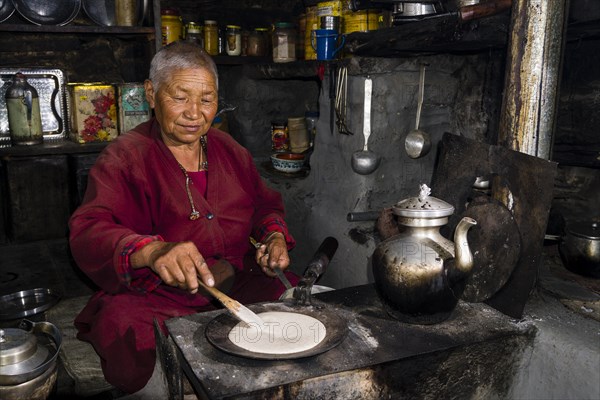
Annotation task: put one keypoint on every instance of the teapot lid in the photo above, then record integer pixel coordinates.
(26, 352)
(423, 206)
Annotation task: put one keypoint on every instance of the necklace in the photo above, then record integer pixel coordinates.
(203, 164)
(194, 214)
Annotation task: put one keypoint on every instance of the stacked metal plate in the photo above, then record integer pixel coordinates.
(6, 9)
(48, 12)
(51, 88)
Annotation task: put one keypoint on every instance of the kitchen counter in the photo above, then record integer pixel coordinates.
(378, 357)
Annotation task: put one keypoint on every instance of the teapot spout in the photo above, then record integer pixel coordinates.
(463, 256)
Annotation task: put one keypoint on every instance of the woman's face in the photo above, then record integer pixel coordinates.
(185, 105)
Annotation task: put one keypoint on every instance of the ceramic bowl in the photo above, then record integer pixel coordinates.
(288, 162)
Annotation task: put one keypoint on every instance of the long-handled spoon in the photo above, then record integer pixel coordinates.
(364, 161)
(418, 143)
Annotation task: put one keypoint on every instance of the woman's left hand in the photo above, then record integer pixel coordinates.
(273, 253)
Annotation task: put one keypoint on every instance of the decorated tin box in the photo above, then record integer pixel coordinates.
(133, 106)
(93, 112)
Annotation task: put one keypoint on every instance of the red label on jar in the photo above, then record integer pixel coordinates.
(279, 138)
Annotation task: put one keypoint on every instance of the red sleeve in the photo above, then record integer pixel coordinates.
(114, 214)
(145, 282)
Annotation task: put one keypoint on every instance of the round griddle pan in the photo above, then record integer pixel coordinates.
(217, 330)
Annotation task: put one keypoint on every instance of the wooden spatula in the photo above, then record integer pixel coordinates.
(238, 310)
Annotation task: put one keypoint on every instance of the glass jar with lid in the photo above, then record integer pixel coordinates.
(24, 116)
(258, 42)
(193, 33)
(233, 37)
(211, 37)
(171, 26)
(284, 42)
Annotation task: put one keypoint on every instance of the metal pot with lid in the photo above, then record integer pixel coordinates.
(580, 248)
(28, 356)
(419, 274)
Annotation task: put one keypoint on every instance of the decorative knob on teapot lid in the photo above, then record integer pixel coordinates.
(423, 206)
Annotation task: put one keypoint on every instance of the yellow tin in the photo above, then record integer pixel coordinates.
(360, 21)
(93, 112)
(133, 106)
(312, 22)
(333, 8)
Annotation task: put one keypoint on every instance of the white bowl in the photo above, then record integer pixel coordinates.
(288, 162)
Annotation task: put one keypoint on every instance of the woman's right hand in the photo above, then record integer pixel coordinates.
(178, 264)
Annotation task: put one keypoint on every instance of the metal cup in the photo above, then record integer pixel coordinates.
(330, 22)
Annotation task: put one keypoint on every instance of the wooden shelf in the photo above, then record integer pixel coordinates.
(436, 35)
(52, 147)
(128, 30)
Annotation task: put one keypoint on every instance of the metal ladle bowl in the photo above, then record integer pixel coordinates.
(365, 162)
(418, 143)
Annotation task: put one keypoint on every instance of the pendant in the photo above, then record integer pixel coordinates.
(194, 215)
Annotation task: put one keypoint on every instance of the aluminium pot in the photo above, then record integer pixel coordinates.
(580, 248)
(28, 360)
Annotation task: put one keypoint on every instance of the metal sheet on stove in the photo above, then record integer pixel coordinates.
(50, 85)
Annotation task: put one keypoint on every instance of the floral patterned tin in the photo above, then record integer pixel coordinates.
(133, 106)
(94, 112)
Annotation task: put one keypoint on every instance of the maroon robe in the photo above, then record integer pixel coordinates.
(136, 189)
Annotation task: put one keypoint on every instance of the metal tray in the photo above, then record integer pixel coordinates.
(51, 88)
(26, 302)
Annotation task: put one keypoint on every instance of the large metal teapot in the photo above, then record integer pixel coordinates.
(419, 274)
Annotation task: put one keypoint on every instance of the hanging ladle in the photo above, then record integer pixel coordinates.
(365, 161)
(418, 143)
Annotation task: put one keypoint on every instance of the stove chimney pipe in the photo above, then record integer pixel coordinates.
(532, 80)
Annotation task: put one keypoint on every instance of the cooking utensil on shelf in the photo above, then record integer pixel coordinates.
(277, 270)
(364, 161)
(237, 309)
(341, 100)
(418, 143)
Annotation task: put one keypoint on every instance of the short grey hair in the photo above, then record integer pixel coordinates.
(176, 56)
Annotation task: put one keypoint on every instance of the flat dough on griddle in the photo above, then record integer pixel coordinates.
(282, 333)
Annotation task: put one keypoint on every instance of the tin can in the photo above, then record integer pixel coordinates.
(133, 106)
(171, 26)
(125, 12)
(360, 21)
(94, 112)
(211, 37)
(333, 8)
(279, 137)
(298, 134)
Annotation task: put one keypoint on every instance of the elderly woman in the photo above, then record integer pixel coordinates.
(171, 202)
